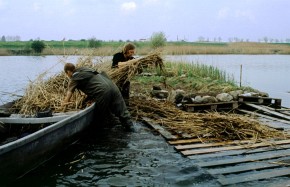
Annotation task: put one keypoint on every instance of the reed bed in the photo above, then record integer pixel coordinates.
(202, 125)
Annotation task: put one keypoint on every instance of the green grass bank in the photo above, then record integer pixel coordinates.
(107, 48)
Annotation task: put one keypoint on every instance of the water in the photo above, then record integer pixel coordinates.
(112, 157)
(267, 73)
(115, 158)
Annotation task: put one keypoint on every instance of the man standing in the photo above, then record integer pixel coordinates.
(101, 89)
(126, 54)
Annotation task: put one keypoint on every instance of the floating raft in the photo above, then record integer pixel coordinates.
(235, 162)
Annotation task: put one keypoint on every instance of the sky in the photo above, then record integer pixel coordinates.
(106, 20)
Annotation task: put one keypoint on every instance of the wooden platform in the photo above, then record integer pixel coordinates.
(235, 162)
(211, 106)
(274, 102)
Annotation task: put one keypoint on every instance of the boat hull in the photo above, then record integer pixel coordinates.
(25, 154)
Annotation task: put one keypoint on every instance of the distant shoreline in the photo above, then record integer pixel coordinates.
(171, 48)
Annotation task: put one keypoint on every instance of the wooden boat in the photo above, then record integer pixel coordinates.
(25, 154)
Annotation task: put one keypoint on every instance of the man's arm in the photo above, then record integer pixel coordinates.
(67, 97)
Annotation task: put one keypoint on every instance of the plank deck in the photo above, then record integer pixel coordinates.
(235, 162)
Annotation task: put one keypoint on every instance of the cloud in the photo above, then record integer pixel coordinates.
(223, 13)
(245, 15)
(129, 6)
(227, 13)
(36, 6)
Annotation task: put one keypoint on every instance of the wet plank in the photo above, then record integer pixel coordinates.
(187, 141)
(247, 158)
(202, 145)
(278, 127)
(238, 152)
(243, 168)
(167, 135)
(218, 149)
(261, 108)
(255, 176)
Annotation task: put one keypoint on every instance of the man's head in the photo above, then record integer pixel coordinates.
(69, 68)
(129, 50)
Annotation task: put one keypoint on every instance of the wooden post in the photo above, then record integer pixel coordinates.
(241, 71)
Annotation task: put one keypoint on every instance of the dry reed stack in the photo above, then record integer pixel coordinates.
(201, 125)
(129, 69)
(44, 94)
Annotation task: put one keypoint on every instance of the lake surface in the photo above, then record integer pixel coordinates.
(267, 73)
(113, 157)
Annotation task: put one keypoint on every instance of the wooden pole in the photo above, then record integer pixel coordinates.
(241, 71)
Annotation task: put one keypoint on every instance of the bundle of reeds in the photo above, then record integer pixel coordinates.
(127, 70)
(43, 94)
(201, 125)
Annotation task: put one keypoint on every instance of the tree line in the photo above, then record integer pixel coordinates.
(157, 39)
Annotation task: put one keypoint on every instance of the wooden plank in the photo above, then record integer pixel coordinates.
(238, 152)
(186, 141)
(269, 111)
(275, 126)
(264, 116)
(242, 168)
(255, 176)
(247, 158)
(212, 150)
(202, 145)
(260, 100)
(167, 135)
(210, 106)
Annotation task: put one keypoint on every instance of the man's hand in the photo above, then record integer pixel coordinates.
(64, 105)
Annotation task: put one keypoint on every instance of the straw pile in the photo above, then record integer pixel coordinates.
(43, 94)
(47, 94)
(201, 125)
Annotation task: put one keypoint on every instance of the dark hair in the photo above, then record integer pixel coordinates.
(127, 47)
(69, 67)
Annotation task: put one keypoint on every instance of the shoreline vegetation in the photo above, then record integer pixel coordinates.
(104, 48)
